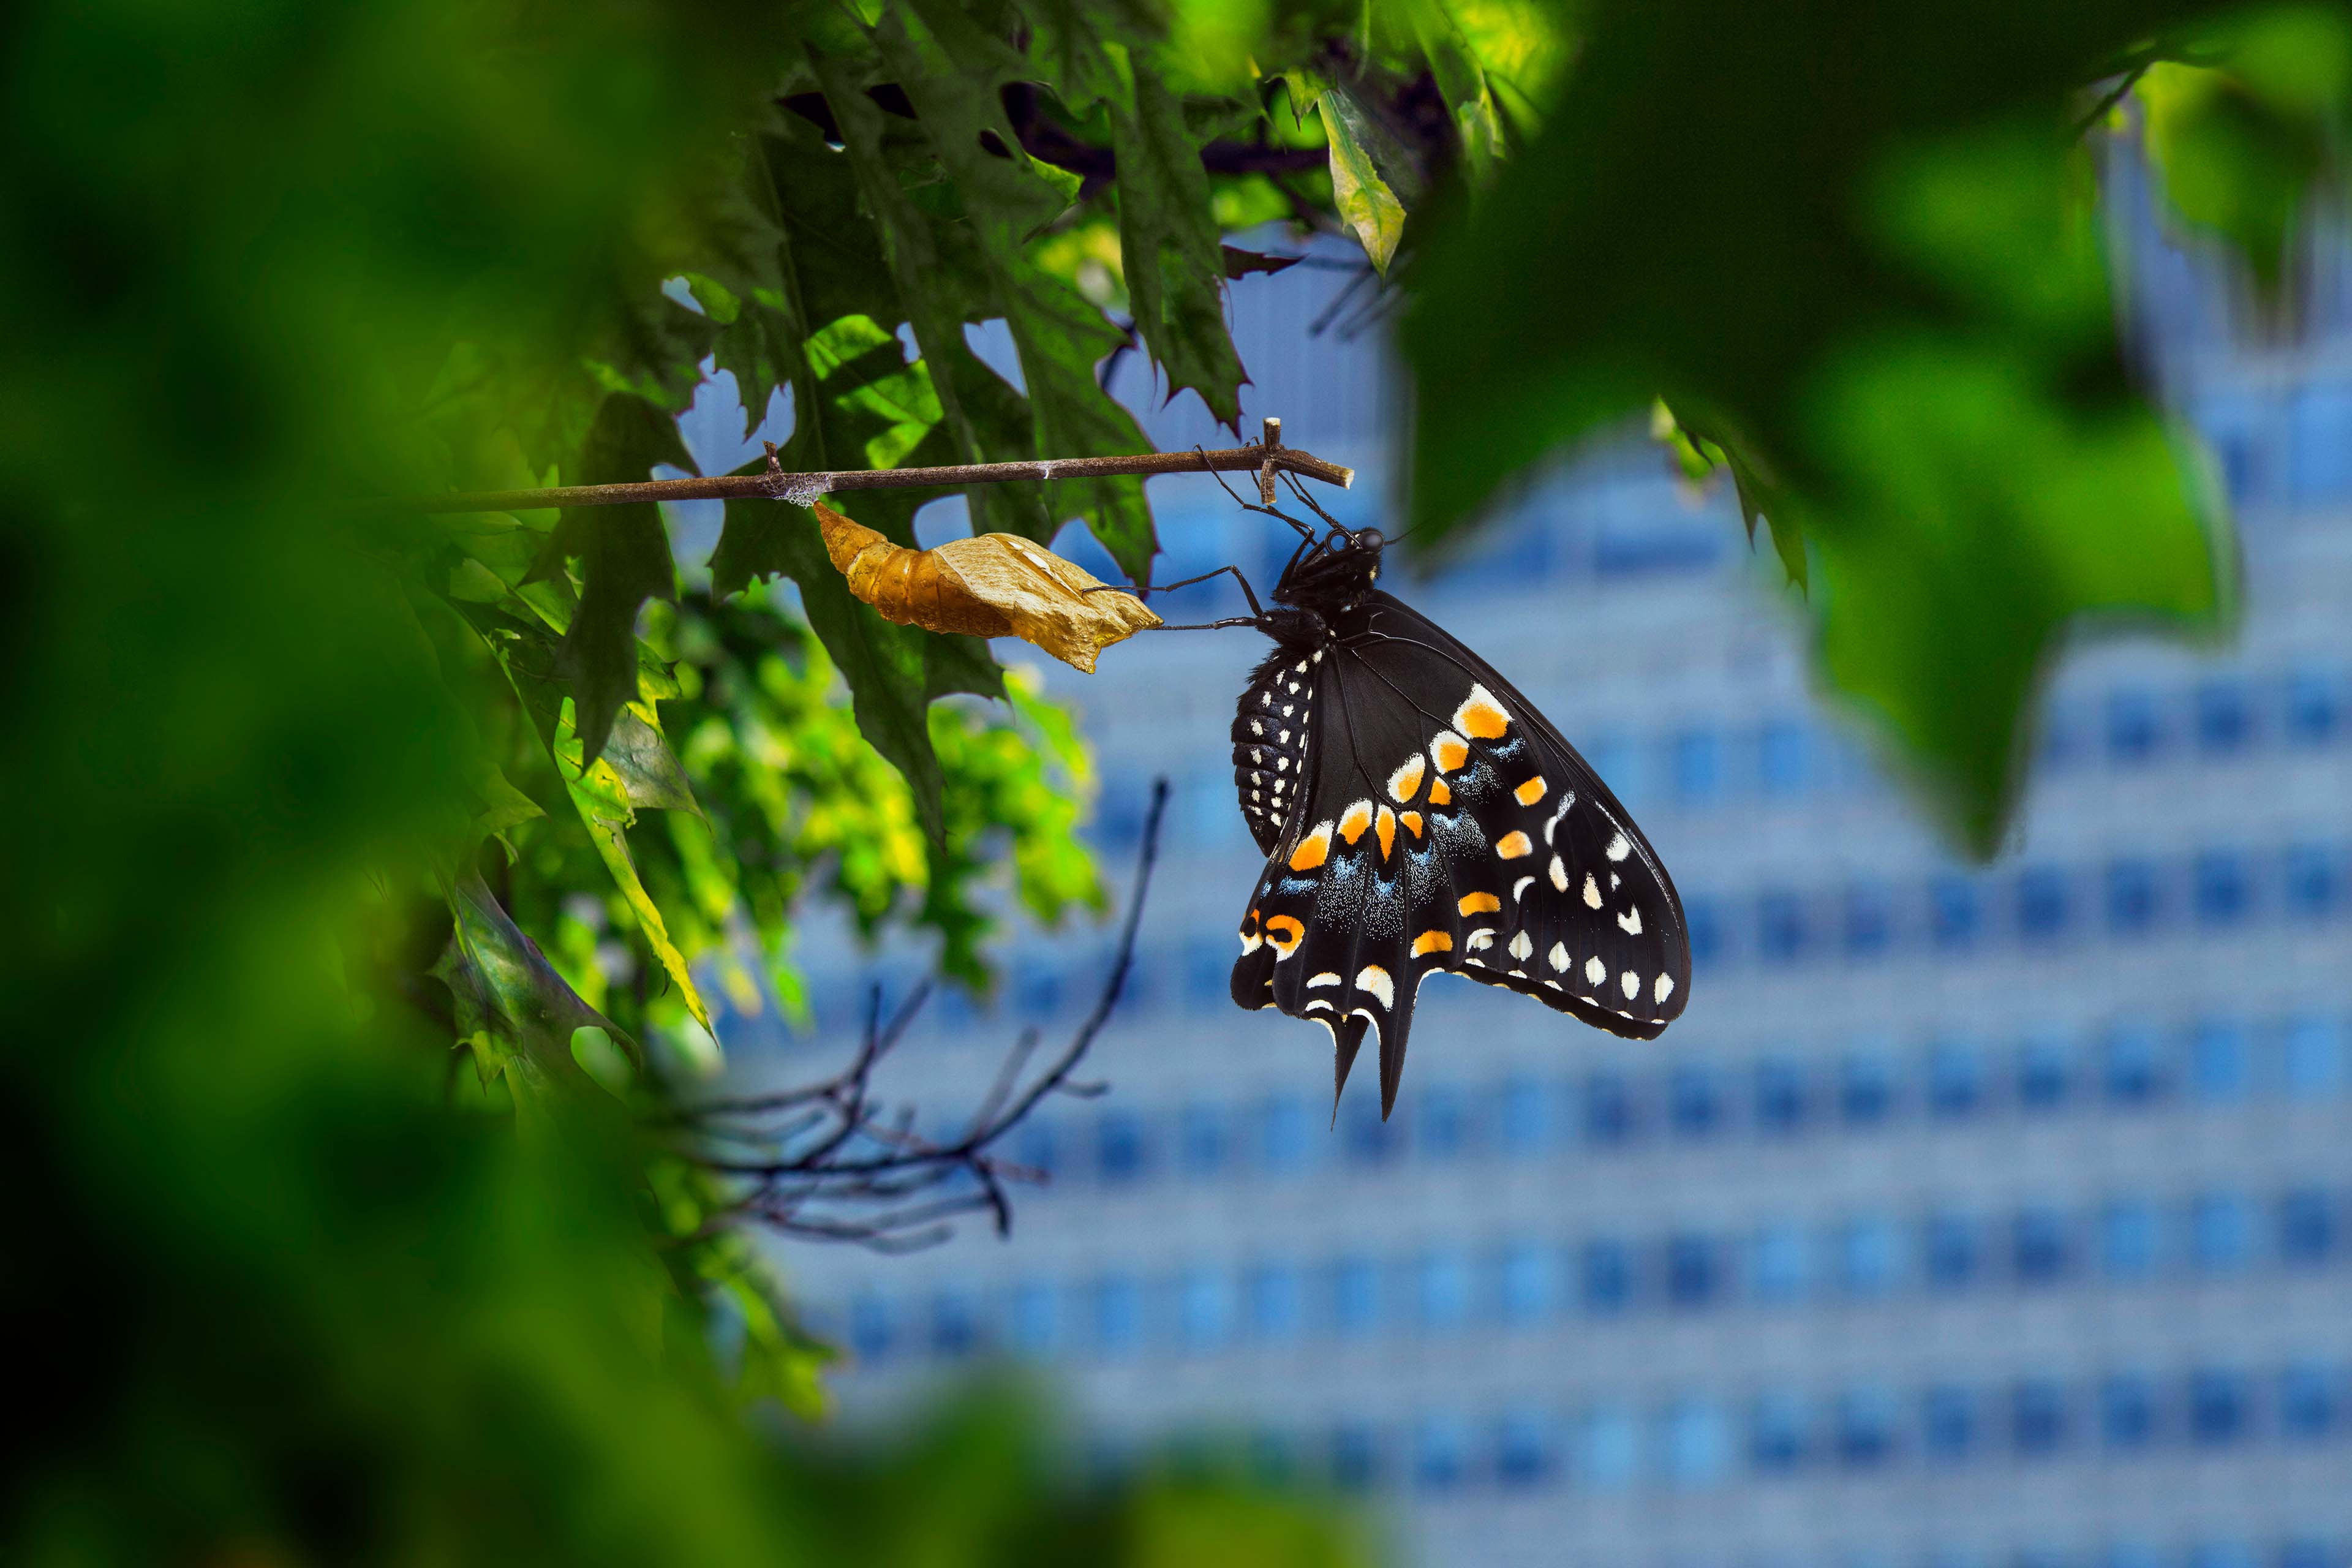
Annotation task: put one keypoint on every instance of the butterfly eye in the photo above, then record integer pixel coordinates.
(1369, 539)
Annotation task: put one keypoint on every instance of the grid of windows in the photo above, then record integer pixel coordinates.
(1693, 1443)
(1520, 1282)
(2123, 1068)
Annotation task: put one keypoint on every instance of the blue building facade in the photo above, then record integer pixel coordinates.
(1993, 1216)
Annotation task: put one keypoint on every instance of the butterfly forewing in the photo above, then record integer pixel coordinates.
(1445, 824)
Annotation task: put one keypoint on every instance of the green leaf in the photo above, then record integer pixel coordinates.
(504, 990)
(1367, 205)
(883, 664)
(1461, 82)
(626, 557)
(1169, 244)
(607, 799)
(954, 664)
(1895, 322)
(951, 71)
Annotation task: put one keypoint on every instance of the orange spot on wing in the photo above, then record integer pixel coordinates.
(1312, 849)
(1439, 795)
(1406, 780)
(1473, 903)
(1387, 831)
(1449, 751)
(1355, 819)
(1284, 932)
(1513, 844)
(1481, 717)
(1531, 792)
(1412, 819)
(1431, 941)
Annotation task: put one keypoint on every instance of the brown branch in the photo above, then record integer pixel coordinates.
(802, 488)
(839, 1171)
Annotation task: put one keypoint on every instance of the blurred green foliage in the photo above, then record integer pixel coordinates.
(313, 806)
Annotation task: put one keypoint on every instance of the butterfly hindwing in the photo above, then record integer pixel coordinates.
(1445, 824)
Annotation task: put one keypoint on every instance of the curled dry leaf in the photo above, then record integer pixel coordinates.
(994, 585)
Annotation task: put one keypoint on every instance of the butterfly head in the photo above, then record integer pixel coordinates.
(1334, 572)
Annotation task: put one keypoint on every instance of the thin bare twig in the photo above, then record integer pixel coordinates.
(835, 1167)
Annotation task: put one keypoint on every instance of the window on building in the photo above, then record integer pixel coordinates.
(2314, 882)
(1355, 1297)
(1605, 1278)
(2313, 708)
(1951, 1251)
(1610, 1448)
(1697, 1445)
(1117, 1315)
(1869, 919)
(2219, 1061)
(1781, 1263)
(1444, 1288)
(1866, 1427)
(1780, 933)
(2131, 896)
(1120, 1153)
(2037, 1417)
(1783, 758)
(1694, 1271)
(1948, 1423)
(2217, 1407)
(2313, 1058)
(1867, 1254)
(1607, 1110)
(1694, 1100)
(1698, 768)
(1441, 1453)
(1524, 1449)
(2133, 1066)
(2127, 1239)
(2222, 887)
(1704, 917)
(2134, 733)
(1776, 1433)
(1953, 916)
(1441, 1118)
(1204, 1309)
(2308, 1402)
(2307, 1227)
(955, 1323)
(2224, 718)
(1522, 1122)
(1366, 1139)
(2127, 1410)
(873, 1333)
(1525, 1286)
(2041, 904)
(2044, 1069)
(1278, 1305)
(1355, 1457)
(2038, 1246)
(1956, 1079)
(1781, 1097)
(1202, 1141)
(2221, 1232)
(1866, 1089)
(1037, 1144)
(1283, 1140)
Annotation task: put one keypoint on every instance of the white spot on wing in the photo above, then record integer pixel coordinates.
(1559, 875)
(1618, 848)
(1519, 889)
(1374, 982)
(1592, 893)
(1665, 986)
(1633, 984)
(1326, 978)
(1630, 923)
(1558, 957)
(1521, 946)
(1595, 972)
(1567, 799)
(1478, 939)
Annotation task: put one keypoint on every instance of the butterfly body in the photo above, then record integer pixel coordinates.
(1419, 815)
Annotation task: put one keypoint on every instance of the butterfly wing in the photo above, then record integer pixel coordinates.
(1445, 824)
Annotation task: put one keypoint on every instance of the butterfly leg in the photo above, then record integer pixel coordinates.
(1255, 608)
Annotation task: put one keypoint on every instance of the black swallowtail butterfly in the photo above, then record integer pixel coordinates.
(1418, 813)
